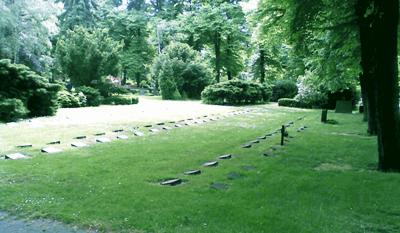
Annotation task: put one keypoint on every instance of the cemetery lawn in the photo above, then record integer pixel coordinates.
(324, 180)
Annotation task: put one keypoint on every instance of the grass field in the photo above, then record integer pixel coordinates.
(323, 180)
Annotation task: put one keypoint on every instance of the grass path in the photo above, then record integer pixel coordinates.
(322, 181)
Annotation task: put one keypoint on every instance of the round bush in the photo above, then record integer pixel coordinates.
(121, 100)
(235, 92)
(283, 89)
(287, 102)
(67, 99)
(12, 109)
(93, 97)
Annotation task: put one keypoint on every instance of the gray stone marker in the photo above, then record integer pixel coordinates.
(262, 137)
(248, 167)
(78, 144)
(148, 126)
(192, 172)
(103, 140)
(100, 134)
(211, 164)
(166, 128)
(234, 175)
(50, 150)
(54, 143)
(123, 137)
(246, 146)
(118, 130)
(154, 130)
(219, 186)
(161, 123)
(16, 156)
(80, 137)
(138, 133)
(254, 142)
(171, 182)
(267, 154)
(178, 125)
(228, 156)
(25, 146)
(172, 122)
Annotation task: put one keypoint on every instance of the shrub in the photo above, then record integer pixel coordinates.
(67, 99)
(287, 102)
(235, 92)
(12, 109)
(19, 82)
(108, 89)
(121, 100)
(283, 89)
(93, 97)
(180, 72)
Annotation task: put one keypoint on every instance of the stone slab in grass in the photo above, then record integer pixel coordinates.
(50, 150)
(246, 146)
(99, 134)
(161, 123)
(118, 130)
(78, 144)
(262, 137)
(269, 134)
(248, 167)
(123, 137)
(178, 125)
(25, 146)
(268, 154)
(171, 182)
(166, 128)
(138, 134)
(255, 142)
(192, 172)
(211, 164)
(80, 137)
(16, 156)
(227, 156)
(219, 186)
(234, 175)
(54, 142)
(171, 122)
(103, 140)
(154, 130)
(148, 126)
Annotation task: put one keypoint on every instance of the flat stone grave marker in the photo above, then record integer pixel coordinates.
(262, 137)
(205, 116)
(246, 146)
(267, 154)
(219, 186)
(50, 150)
(178, 125)
(255, 142)
(100, 134)
(78, 144)
(54, 143)
(234, 175)
(192, 172)
(103, 140)
(123, 137)
(161, 123)
(118, 130)
(80, 137)
(305, 127)
(154, 130)
(172, 122)
(138, 133)
(16, 156)
(274, 148)
(188, 123)
(166, 128)
(189, 119)
(148, 126)
(25, 146)
(228, 156)
(211, 164)
(171, 182)
(248, 167)
(291, 123)
(300, 129)
(269, 134)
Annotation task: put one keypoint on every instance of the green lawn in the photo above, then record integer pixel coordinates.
(324, 180)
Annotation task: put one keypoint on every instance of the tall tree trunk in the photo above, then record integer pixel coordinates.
(217, 48)
(368, 63)
(262, 65)
(385, 33)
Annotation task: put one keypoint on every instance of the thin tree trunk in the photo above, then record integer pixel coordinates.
(262, 65)
(217, 48)
(364, 97)
(385, 33)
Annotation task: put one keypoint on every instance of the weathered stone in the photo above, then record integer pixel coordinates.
(78, 144)
(103, 140)
(100, 134)
(118, 130)
(123, 137)
(172, 122)
(50, 150)
(178, 125)
(154, 130)
(161, 123)
(80, 137)
(262, 138)
(25, 146)
(171, 182)
(234, 175)
(148, 126)
(248, 167)
(16, 156)
(138, 133)
(228, 156)
(267, 154)
(269, 134)
(166, 128)
(54, 143)
(193, 172)
(219, 186)
(255, 142)
(211, 164)
(246, 146)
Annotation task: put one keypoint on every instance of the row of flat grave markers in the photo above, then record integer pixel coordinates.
(209, 164)
(102, 139)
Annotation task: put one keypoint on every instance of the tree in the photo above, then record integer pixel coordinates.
(78, 13)
(85, 56)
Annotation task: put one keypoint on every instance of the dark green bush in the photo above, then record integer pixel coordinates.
(12, 109)
(93, 97)
(283, 89)
(287, 102)
(19, 82)
(121, 100)
(235, 92)
(107, 89)
(67, 99)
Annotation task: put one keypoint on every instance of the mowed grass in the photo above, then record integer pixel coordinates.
(323, 180)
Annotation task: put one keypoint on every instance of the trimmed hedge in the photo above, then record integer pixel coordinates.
(236, 92)
(283, 89)
(287, 102)
(12, 110)
(93, 97)
(121, 100)
(67, 99)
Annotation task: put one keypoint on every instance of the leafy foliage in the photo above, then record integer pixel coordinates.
(67, 99)
(121, 100)
(93, 97)
(12, 110)
(283, 89)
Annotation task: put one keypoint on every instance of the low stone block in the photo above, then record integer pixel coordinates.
(25, 146)
(138, 133)
(80, 137)
(154, 130)
(118, 130)
(219, 186)
(103, 140)
(78, 144)
(228, 156)
(54, 143)
(255, 142)
(178, 125)
(148, 126)
(99, 134)
(262, 138)
(211, 164)
(171, 182)
(16, 156)
(123, 137)
(50, 150)
(246, 146)
(248, 167)
(161, 123)
(192, 172)
(166, 128)
(234, 175)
